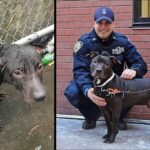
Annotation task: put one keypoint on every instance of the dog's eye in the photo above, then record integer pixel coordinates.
(106, 64)
(18, 73)
(95, 62)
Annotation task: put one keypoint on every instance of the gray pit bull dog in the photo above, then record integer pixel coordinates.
(119, 93)
(21, 67)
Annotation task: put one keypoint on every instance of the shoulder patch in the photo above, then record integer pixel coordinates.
(77, 46)
(129, 40)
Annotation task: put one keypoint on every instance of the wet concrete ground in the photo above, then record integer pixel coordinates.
(70, 136)
(28, 127)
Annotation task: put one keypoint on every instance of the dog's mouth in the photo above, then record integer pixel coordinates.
(33, 98)
(28, 99)
(100, 79)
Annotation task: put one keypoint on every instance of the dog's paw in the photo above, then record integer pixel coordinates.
(106, 136)
(109, 140)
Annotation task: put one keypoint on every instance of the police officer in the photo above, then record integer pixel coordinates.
(80, 91)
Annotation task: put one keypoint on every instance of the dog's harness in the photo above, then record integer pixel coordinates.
(109, 91)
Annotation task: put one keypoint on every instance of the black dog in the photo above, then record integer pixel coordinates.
(118, 93)
(21, 67)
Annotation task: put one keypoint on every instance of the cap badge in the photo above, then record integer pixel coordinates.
(104, 11)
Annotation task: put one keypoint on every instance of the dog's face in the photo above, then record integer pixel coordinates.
(22, 68)
(101, 67)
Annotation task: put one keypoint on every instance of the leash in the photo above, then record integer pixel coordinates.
(114, 91)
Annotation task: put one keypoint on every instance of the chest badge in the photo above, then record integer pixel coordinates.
(118, 50)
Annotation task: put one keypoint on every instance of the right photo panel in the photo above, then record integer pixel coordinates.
(102, 74)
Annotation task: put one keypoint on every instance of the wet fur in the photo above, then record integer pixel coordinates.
(21, 67)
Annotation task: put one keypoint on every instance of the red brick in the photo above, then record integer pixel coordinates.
(76, 11)
(145, 109)
(64, 59)
(64, 65)
(75, 32)
(64, 78)
(66, 52)
(76, 25)
(147, 75)
(101, 3)
(63, 4)
(121, 3)
(122, 9)
(78, 4)
(134, 115)
(145, 116)
(137, 109)
(123, 16)
(141, 31)
(64, 72)
(66, 38)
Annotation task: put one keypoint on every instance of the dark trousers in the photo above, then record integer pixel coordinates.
(86, 107)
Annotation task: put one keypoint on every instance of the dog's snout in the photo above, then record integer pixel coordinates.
(40, 95)
(98, 71)
(41, 98)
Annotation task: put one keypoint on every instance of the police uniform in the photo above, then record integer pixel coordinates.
(117, 45)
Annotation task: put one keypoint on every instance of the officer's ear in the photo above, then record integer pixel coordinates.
(114, 60)
(92, 54)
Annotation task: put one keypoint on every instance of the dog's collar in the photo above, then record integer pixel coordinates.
(107, 81)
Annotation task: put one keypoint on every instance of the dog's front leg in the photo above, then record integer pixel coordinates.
(107, 116)
(116, 107)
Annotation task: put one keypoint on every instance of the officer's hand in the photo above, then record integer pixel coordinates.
(95, 99)
(128, 74)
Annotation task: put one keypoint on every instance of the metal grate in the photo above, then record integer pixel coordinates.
(19, 18)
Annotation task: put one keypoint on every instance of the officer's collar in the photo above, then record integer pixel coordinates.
(111, 37)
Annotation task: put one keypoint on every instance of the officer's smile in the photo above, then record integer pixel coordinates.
(103, 29)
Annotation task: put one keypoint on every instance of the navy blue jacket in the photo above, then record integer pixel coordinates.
(117, 45)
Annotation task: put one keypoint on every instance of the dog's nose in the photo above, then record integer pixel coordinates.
(41, 98)
(98, 71)
(40, 95)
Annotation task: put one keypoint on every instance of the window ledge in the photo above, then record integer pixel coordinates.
(140, 28)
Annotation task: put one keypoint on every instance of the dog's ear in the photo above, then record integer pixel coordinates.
(92, 54)
(114, 60)
(105, 53)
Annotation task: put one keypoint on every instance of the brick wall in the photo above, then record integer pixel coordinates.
(75, 18)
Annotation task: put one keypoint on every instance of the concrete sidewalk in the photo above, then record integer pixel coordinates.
(71, 136)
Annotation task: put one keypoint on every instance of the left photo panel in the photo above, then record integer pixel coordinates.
(27, 75)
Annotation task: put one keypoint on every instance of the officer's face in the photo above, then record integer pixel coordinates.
(104, 29)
